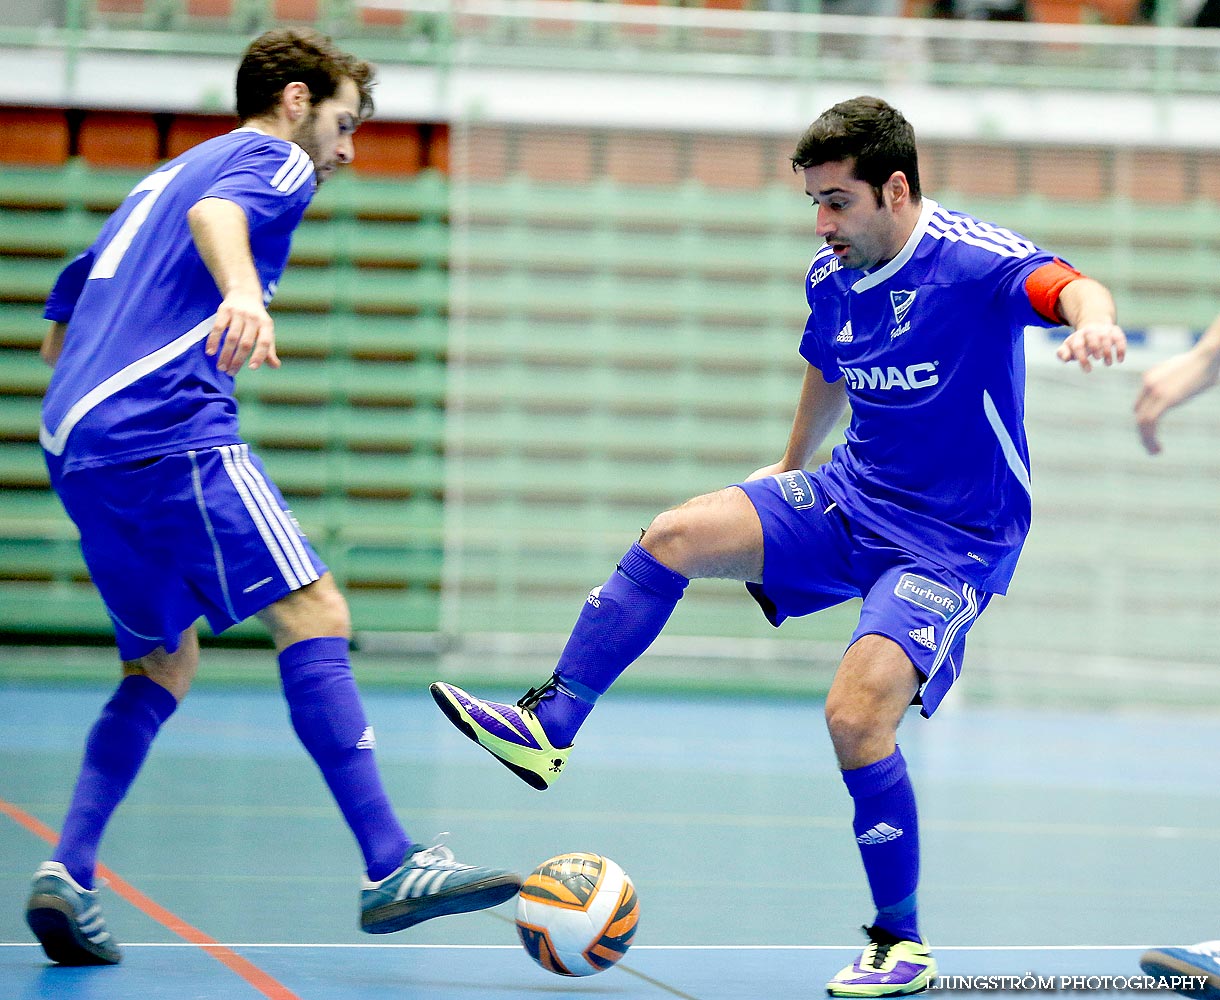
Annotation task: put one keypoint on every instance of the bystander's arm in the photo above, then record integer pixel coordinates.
(1174, 381)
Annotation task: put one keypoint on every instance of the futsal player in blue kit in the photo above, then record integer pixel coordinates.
(916, 321)
(178, 519)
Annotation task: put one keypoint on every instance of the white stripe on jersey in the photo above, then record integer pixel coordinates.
(956, 228)
(296, 170)
(295, 155)
(120, 380)
(1006, 443)
(298, 177)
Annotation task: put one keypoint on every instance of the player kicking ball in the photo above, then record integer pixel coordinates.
(177, 517)
(916, 322)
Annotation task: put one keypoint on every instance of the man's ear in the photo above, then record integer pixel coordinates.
(898, 188)
(295, 101)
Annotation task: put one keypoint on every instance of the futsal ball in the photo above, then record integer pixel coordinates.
(577, 914)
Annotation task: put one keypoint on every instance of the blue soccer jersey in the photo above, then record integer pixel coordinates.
(930, 346)
(133, 380)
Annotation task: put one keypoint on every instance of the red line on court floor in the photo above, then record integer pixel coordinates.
(251, 973)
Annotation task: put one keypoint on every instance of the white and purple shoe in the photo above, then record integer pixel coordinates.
(889, 967)
(510, 733)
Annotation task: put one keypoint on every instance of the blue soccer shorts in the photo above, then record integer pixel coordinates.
(172, 539)
(815, 558)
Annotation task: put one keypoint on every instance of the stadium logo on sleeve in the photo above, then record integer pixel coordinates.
(797, 489)
(928, 594)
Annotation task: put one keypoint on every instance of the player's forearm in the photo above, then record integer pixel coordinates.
(818, 411)
(222, 237)
(1086, 301)
(53, 343)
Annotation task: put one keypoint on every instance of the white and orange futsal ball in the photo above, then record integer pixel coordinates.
(577, 914)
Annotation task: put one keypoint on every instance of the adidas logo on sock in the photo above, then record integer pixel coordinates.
(882, 833)
(367, 740)
(925, 636)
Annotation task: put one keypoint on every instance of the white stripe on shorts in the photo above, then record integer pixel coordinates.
(267, 517)
(968, 612)
(280, 520)
(217, 555)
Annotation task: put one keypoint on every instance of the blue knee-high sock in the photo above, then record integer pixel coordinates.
(114, 752)
(619, 621)
(329, 719)
(887, 833)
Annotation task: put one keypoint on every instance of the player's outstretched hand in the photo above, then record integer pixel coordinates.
(1089, 342)
(1168, 384)
(247, 332)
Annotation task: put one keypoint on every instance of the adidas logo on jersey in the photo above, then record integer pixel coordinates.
(882, 833)
(367, 740)
(925, 636)
(844, 335)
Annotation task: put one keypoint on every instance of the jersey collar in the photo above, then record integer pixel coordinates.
(888, 270)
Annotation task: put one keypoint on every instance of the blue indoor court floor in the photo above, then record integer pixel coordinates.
(1055, 843)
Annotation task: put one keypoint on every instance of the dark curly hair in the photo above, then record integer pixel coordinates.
(297, 55)
(869, 131)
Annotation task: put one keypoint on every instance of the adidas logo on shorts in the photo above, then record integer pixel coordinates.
(925, 636)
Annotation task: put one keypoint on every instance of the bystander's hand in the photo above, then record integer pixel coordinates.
(1168, 384)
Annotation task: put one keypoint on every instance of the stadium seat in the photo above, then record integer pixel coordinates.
(119, 139)
(43, 136)
(186, 131)
(389, 148)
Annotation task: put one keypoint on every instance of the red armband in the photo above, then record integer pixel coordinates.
(1045, 284)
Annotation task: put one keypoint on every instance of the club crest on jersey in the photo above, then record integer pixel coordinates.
(928, 594)
(901, 301)
(797, 489)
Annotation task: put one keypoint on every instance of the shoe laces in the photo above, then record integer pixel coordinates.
(878, 951)
(436, 856)
(529, 701)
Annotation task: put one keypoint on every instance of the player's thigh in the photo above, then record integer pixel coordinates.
(713, 535)
(807, 548)
(927, 611)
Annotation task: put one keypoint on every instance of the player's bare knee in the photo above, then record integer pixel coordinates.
(668, 539)
(316, 610)
(855, 733)
(173, 671)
